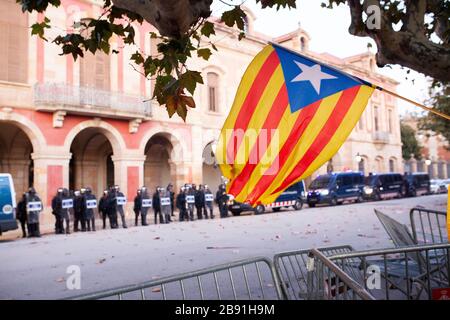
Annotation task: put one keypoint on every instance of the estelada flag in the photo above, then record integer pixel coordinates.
(290, 115)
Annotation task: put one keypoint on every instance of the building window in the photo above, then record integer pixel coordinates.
(361, 166)
(14, 33)
(361, 122)
(390, 123)
(302, 44)
(376, 119)
(95, 71)
(391, 165)
(213, 91)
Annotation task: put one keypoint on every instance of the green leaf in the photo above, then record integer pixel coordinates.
(189, 80)
(235, 16)
(137, 58)
(204, 53)
(207, 29)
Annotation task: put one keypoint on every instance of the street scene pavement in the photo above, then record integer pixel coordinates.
(37, 268)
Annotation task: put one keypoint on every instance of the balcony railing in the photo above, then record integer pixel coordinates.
(89, 100)
(380, 137)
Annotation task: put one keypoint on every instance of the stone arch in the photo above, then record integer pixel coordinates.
(211, 173)
(32, 131)
(110, 132)
(179, 152)
(393, 164)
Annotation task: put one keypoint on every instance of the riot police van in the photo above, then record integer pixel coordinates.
(383, 186)
(335, 188)
(294, 197)
(416, 184)
(7, 203)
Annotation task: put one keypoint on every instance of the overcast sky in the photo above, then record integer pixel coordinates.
(329, 33)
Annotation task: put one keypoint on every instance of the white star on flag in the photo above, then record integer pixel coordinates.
(313, 74)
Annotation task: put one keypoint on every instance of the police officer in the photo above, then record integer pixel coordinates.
(208, 203)
(34, 207)
(182, 205)
(78, 211)
(221, 199)
(137, 206)
(172, 199)
(57, 211)
(144, 209)
(156, 203)
(103, 208)
(22, 214)
(166, 204)
(200, 202)
(89, 215)
(190, 194)
(119, 207)
(65, 211)
(111, 208)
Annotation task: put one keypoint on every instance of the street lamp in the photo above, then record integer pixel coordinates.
(428, 162)
(358, 158)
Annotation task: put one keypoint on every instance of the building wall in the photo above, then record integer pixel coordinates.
(70, 135)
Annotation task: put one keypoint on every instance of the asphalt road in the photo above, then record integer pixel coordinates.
(36, 268)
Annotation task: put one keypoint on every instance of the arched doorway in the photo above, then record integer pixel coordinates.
(210, 170)
(91, 164)
(159, 169)
(15, 156)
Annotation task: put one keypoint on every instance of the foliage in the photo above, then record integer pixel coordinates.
(410, 145)
(440, 100)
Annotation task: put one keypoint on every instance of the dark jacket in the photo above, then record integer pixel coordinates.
(156, 202)
(103, 205)
(22, 210)
(181, 201)
(137, 203)
(199, 198)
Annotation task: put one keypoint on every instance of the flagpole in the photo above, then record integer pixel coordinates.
(443, 115)
(440, 114)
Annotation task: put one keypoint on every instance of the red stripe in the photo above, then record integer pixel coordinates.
(251, 101)
(330, 127)
(272, 122)
(302, 122)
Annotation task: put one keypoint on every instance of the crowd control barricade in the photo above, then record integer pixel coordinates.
(428, 226)
(291, 268)
(403, 273)
(327, 281)
(250, 279)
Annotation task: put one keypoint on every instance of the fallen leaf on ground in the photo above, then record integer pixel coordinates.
(156, 238)
(156, 290)
(60, 279)
(101, 260)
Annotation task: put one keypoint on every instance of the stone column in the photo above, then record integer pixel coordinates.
(129, 173)
(434, 168)
(51, 171)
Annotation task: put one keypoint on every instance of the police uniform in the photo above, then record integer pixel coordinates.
(208, 204)
(33, 213)
(65, 212)
(119, 207)
(221, 199)
(156, 204)
(144, 210)
(182, 206)
(137, 206)
(200, 203)
(88, 215)
(57, 211)
(190, 206)
(166, 210)
(103, 209)
(22, 214)
(78, 212)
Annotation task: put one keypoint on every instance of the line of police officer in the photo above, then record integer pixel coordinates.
(111, 205)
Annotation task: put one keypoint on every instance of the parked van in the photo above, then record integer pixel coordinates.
(335, 188)
(294, 197)
(384, 186)
(7, 203)
(417, 184)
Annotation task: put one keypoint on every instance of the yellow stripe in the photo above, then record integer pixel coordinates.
(258, 118)
(339, 137)
(247, 80)
(303, 144)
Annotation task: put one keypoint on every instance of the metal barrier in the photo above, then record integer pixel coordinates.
(250, 279)
(291, 268)
(327, 281)
(411, 272)
(428, 226)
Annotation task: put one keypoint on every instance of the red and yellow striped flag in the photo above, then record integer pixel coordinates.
(290, 115)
